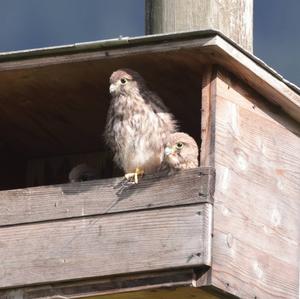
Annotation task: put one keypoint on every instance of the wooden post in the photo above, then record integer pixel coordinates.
(234, 18)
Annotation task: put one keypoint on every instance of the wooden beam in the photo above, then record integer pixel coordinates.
(107, 54)
(208, 107)
(165, 292)
(102, 245)
(104, 197)
(264, 82)
(101, 286)
(233, 18)
(159, 285)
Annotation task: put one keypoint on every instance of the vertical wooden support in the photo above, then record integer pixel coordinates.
(208, 107)
(207, 150)
(233, 18)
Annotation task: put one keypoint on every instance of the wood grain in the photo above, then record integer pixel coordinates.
(234, 19)
(164, 285)
(160, 293)
(266, 109)
(104, 197)
(105, 245)
(208, 107)
(106, 285)
(256, 242)
(257, 77)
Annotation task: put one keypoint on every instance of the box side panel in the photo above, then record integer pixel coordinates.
(257, 205)
(94, 246)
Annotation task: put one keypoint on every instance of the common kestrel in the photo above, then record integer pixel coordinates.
(138, 125)
(83, 172)
(181, 152)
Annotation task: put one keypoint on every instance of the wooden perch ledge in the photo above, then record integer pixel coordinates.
(99, 228)
(107, 196)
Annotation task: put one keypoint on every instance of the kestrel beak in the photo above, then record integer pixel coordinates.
(112, 88)
(169, 151)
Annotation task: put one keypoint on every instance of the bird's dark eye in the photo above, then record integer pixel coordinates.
(123, 80)
(179, 145)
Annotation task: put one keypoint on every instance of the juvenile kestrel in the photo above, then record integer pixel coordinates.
(181, 152)
(138, 124)
(83, 172)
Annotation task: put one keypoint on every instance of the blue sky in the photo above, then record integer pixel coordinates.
(39, 23)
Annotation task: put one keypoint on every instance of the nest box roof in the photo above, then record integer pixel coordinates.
(213, 44)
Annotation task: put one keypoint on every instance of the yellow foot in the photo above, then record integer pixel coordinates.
(134, 175)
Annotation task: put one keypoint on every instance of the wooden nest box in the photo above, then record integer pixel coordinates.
(227, 228)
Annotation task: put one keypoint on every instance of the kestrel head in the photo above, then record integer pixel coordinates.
(181, 151)
(83, 172)
(123, 81)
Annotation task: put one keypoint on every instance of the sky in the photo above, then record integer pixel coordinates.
(26, 24)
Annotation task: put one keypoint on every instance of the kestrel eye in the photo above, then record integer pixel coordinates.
(179, 145)
(123, 80)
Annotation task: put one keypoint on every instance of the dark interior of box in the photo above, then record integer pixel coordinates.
(53, 116)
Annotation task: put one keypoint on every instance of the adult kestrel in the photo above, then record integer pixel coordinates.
(138, 125)
(181, 152)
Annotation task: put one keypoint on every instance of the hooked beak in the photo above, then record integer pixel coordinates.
(112, 88)
(168, 151)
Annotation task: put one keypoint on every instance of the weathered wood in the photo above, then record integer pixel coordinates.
(256, 241)
(167, 292)
(107, 53)
(208, 104)
(105, 245)
(267, 110)
(160, 285)
(104, 197)
(101, 286)
(233, 18)
(264, 82)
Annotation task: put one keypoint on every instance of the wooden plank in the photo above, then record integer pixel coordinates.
(207, 151)
(111, 285)
(161, 293)
(106, 285)
(114, 244)
(208, 117)
(256, 241)
(106, 53)
(164, 285)
(104, 197)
